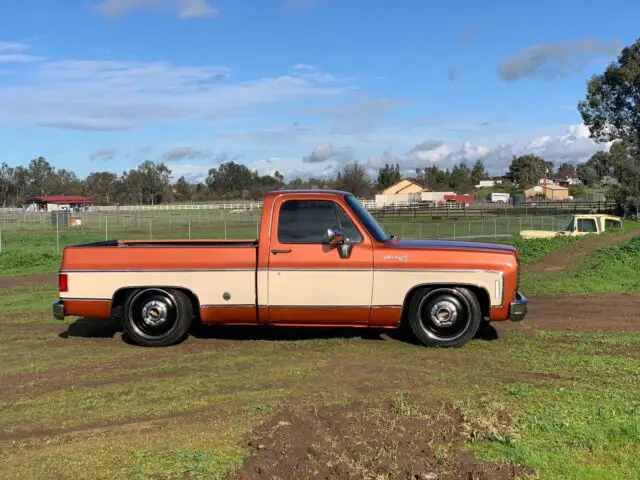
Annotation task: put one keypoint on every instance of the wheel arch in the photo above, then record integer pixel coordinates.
(121, 295)
(481, 293)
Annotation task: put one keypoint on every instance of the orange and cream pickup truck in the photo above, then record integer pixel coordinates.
(321, 259)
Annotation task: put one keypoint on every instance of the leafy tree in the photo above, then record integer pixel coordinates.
(353, 178)
(103, 187)
(611, 110)
(147, 183)
(479, 172)
(527, 170)
(566, 170)
(8, 185)
(387, 176)
(183, 190)
(587, 174)
(625, 161)
(460, 179)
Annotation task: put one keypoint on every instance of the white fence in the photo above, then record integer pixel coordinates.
(38, 230)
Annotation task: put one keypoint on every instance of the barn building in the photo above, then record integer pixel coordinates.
(57, 203)
(551, 192)
(408, 191)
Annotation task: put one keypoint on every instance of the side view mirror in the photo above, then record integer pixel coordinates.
(335, 238)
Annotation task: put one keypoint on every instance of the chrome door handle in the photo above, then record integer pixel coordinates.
(276, 251)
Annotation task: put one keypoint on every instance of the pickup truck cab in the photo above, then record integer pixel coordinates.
(582, 224)
(321, 259)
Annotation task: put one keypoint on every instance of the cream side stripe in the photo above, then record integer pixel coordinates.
(320, 288)
(207, 286)
(263, 287)
(391, 287)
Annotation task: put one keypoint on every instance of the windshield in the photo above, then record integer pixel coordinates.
(370, 223)
(569, 227)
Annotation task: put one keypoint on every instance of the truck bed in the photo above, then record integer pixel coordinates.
(161, 255)
(171, 243)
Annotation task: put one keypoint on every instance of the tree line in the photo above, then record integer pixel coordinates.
(150, 183)
(610, 110)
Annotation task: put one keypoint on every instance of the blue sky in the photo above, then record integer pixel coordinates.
(298, 86)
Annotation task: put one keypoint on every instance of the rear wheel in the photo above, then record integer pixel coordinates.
(157, 317)
(444, 316)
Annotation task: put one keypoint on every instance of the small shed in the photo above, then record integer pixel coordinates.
(57, 203)
(462, 200)
(550, 192)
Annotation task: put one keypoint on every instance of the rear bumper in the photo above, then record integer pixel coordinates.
(58, 310)
(518, 308)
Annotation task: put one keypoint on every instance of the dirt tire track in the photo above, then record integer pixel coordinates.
(571, 254)
(580, 313)
(39, 279)
(357, 441)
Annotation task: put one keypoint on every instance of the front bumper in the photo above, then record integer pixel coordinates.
(58, 310)
(518, 308)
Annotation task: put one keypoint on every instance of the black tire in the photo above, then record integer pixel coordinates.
(444, 316)
(157, 317)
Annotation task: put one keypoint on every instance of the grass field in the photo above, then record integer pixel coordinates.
(554, 397)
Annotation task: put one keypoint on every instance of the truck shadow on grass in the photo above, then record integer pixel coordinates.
(86, 327)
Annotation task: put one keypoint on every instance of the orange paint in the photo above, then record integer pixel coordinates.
(88, 308)
(385, 316)
(229, 315)
(300, 316)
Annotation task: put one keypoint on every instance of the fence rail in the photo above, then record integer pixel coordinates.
(52, 234)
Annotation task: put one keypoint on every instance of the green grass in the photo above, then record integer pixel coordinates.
(564, 404)
(583, 426)
(530, 251)
(613, 269)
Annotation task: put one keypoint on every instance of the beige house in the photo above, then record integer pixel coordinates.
(404, 187)
(550, 192)
(408, 191)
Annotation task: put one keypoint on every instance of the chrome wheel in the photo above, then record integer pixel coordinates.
(153, 313)
(444, 316)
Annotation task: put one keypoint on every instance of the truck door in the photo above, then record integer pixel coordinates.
(308, 282)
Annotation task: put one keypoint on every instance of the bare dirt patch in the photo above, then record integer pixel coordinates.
(571, 254)
(14, 281)
(360, 442)
(586, 313)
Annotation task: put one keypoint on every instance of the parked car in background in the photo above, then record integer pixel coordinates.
(579, 225)
(501, 197)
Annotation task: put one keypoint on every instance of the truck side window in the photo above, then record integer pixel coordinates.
(587, 225)
(611, 224)
(306, 222)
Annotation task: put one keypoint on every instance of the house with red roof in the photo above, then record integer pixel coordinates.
(56, 203)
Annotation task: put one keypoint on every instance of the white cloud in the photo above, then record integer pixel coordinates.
(15, 52)
(112, 95)
(184, 153)
(196, 9)
(192, 172)
(555, 60)
(105, 153)
(321, 153)
(185, 8)
(430, 152)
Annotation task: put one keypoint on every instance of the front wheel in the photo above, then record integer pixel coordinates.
(157, 317)
(444, 316)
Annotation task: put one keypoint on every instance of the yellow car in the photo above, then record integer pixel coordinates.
(582, 224)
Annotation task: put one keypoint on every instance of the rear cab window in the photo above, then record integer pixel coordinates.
(587, 225)
(610, 224)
